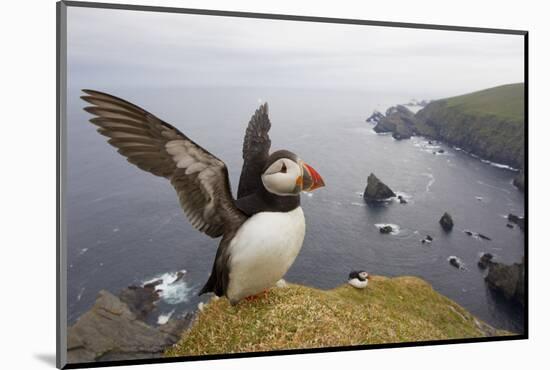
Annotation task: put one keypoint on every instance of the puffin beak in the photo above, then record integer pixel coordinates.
(311, 178)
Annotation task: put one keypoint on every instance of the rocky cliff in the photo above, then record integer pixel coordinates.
(488, 123)
(115, 328)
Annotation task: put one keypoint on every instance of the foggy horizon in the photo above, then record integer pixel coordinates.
(123, 49)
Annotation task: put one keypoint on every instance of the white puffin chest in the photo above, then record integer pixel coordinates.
(263, 250)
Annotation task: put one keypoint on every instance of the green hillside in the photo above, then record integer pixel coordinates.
(488, 123)
(505, 102)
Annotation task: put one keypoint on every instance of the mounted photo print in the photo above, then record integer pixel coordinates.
(239, 184)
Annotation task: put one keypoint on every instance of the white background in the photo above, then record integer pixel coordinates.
(27, 164)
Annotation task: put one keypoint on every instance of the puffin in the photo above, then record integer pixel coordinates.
(358, 279)
(262, 230)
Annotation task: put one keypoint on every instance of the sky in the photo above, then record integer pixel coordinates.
(144, 49)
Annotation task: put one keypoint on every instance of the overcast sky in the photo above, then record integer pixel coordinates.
(143, 49)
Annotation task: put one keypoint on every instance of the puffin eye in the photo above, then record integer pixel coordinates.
(283, 169)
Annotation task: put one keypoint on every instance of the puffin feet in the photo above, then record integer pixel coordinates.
(263, 294)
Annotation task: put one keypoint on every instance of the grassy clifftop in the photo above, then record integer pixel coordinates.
(394, 310)
(488, 123)
(505, 102)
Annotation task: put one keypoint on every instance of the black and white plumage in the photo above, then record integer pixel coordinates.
(261, 232)
(256, 147)
(358, 279)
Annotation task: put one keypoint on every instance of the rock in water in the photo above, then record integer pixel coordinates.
(508, 280)
(401, 199)
(376, 190)
(483, 236)
(519, 181)
(446, 222)
(456, 262)
(484, 260)
(520, 221)
(179, 276)
(398, 120)
(386, 229)
(375, 117)
(140, 300)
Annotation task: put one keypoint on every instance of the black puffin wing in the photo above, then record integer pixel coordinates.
(200, 179)
(255, 151)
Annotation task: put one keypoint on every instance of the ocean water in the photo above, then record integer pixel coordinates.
(125, 226)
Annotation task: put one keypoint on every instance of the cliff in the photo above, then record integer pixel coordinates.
(488, 123)
(403, 309)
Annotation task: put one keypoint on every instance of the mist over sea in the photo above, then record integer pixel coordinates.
(125, 226)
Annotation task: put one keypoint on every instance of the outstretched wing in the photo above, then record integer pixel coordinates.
(200, 179)
(255, 151)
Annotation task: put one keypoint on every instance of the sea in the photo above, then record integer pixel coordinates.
(125, 226)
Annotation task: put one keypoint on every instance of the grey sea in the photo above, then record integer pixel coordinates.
(125, 226)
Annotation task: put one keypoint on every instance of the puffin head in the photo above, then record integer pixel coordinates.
(287, 175)
(361, 275)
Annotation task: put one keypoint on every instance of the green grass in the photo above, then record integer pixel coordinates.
(505, 102)
(404, 309)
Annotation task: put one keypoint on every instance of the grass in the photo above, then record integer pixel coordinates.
(403, 309)
(505, 102)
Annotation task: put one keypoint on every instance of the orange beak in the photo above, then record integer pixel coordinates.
(311, 179)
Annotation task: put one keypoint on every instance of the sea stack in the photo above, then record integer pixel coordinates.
(520, 221)
(484, 260)
(376, 190)
(385, 229)
(508, 280)
(446, 222)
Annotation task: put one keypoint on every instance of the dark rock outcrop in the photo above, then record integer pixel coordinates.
(376, 190)
(427, 239)
(113, 329)
(386, 229)
(398, 120)
(484, 260)
(483, 236)
(140, 300)
(375, 117)
(446, 222)
(179, 276)
(520, 221)
(456, 262)
(477, 235)
(509, 280)
(519, 181)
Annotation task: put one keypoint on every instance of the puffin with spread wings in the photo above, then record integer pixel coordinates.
(261, 231)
